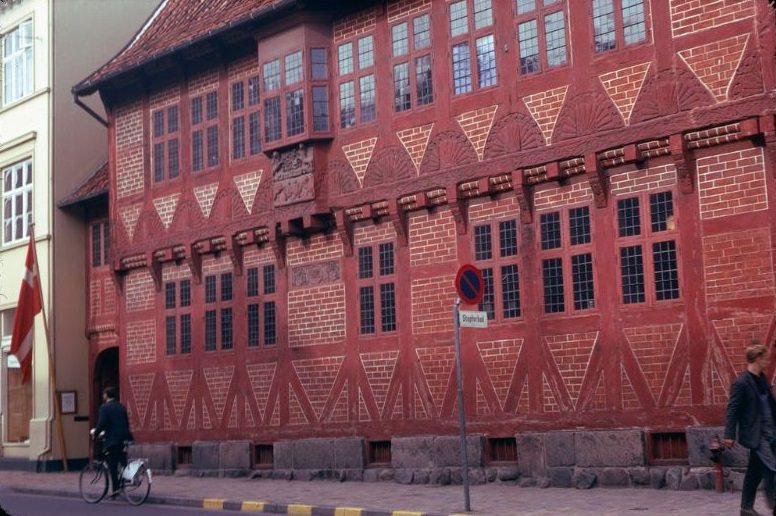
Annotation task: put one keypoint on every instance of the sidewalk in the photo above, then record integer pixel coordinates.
(387, 498)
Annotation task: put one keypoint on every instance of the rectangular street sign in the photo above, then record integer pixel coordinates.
(470, 319)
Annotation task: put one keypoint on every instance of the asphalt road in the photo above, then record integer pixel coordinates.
(18, 504)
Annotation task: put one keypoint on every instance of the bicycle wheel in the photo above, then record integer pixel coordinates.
(136, 491)
(93, 482)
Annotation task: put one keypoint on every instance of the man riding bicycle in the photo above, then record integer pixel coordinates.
(113, 420)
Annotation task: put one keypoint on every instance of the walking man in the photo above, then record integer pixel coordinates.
(114, 422)
(751, 410)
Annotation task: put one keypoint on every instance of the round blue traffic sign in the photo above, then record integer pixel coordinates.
(469, 284)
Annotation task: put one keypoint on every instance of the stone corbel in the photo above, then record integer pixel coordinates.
(632, 154)
(235, 250)
(345, 231)
(683, 162)
(399, 219)
(194, 260)
(278, 244)
(119, 275)
(596, 177)
(155, 268)
(524, 195)
(458, 209)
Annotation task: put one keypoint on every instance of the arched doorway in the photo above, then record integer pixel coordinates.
(106, 373)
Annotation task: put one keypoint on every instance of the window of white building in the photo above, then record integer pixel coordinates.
(17, 201)
(17, 62)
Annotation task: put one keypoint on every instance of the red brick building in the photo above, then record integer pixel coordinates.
(294, 185)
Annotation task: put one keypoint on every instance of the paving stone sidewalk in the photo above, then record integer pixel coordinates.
(499, 499)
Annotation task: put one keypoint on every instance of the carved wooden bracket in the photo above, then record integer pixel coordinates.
(278, 244)
(768, 129)
(194, 260)
(683, 162)
(119, 275)
(599, 184)
(345, 231)
(155, 268)
(399, 219)
(524, 196)
(458, 208)
(235, 250)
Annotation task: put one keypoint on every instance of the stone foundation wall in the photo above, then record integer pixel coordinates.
(580, 459)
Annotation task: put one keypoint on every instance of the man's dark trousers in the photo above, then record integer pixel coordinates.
(116, 456)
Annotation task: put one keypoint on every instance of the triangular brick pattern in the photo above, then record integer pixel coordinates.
(476, 126)
(549, 401)
(420, 409)
(274, 418)
(339, 413)
(206, 421)
(261, 376)
(684, 397)
(178, 384)
(205, 196)
(247, 184)
(523, 401)
(653, 347)
(363, 412)
(571, 353)
(736, 333)
(415, 141)
(437, 364)
(191, 424)
(249, 421)
(500, 358)
(359, 154)
(167, 425)
(716, 63)
(623, 87)
(152, 424)
(629, 398)
(483, 409)
(598, 399)
(545, 107)
(233, 414)
(398, 407)
(165, 208)
(719, 393)
(379, 368)
(317, 376)
(141, 392)
(129, 216)
(218, 380)
(296, 415)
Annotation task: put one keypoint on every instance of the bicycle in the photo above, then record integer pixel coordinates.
(134, 480)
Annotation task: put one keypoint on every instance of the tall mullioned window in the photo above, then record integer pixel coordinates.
(246, 118)
(646, 228)
(204, 131)
(377, 289)
(165, 126)
(565, 240)
(260, 292)
(413, 83)
(473, 47)
(496, 255)
(541, 35)
(618, 23)
(219, 312)
(177, 319)
(357, 90)
(17, 201)
(17, 62)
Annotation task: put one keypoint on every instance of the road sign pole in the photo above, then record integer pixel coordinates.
(461, 412)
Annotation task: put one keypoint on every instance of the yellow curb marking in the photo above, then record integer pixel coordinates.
(348, 511)
(252, 506)
(213, 503)
(301, 510)
(406, 513)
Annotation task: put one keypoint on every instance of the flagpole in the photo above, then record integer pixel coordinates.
(52, 369)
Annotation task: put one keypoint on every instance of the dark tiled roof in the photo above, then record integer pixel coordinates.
(176, 24)
(96, 185)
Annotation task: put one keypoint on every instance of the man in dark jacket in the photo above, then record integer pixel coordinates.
(114, 422)
(751, 410)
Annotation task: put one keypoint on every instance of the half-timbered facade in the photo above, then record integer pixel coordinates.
(293, 188)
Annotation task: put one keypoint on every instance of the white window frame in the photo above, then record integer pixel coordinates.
(17, 62)
(7, 361)
(15, 195)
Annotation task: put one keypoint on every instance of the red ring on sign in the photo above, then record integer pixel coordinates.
(464, 289)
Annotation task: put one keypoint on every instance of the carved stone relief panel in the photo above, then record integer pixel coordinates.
(292, 176)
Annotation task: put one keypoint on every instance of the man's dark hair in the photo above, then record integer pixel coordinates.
(111, 392)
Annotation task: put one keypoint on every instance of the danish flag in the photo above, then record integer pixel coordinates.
(27, 308)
